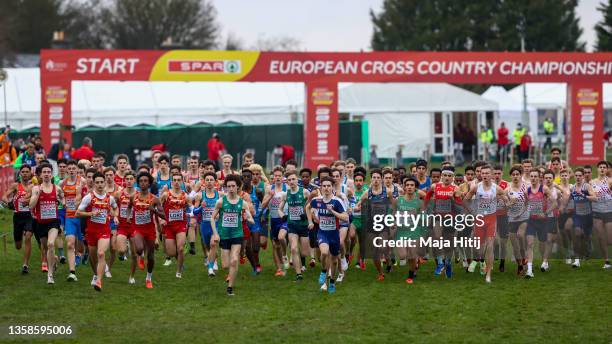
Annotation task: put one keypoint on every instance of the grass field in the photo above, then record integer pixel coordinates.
(563, 305)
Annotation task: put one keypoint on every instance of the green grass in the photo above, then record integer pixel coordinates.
(563, 305)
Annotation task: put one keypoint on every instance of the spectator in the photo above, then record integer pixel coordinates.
(8, 153)
(502, 141)
(525, 146)
(518, 133)
(288, 153)
(38, 145)
(215, 149)
(549, 128)
(373, 157)
(486, 137)
(85, 151)
(28, 157)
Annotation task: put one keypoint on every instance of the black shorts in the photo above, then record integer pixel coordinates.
(22, 222)
(226, 244)
(502, 226)
(301, 231)
(42, 229)
(605, 217)
(552, 224)
(538, 227)
(312, 236)
(585, 223)
(514, 226)
(563, 218)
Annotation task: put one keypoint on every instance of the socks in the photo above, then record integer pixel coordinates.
(529, 266)
(192, 245)
(411, 274)
(303, 260)
(60, 251)
(211, 265)
(149, 275)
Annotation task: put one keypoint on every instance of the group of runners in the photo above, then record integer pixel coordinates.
(311, 218)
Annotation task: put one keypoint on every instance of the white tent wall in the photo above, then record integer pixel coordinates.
(388, 130)
(510, 110)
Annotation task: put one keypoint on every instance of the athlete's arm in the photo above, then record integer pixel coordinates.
(83, 205)
(158, 209)
(281, 206)
(268, 197)
(34, 198)
(470, 193)
(591, 196)
(213, 222)
(249, 217)
(114, 209)
(357, 206)
(9, 192)
(342, 216)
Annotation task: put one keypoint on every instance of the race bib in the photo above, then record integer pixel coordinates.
(274, 203)
(48, 211)
(142, 217)
(485, 206)
(123, 211)
(100, 217)
(71, 203)
(327, 223)
(22, 206)
(443, 205)
(175, 215)
(230, 220)
(295, 213)
(207, 214)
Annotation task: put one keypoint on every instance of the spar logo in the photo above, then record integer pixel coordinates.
(53, 66)
(205, 66)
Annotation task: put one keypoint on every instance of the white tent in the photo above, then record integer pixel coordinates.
(553, 95)
(402, 113)
(510, 110)
(106, 103)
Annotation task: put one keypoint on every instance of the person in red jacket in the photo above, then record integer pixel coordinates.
(525, 146)
(502, 140)
(85, 151)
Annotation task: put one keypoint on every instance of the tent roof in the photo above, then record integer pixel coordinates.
(410, 97)
(503, 98)
(552, 95)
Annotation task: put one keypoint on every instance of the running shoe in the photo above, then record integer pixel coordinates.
(449, 270)
(25, 269)
(381, 277)
(149, 284)
(71, 278)
(44, 267)
(472, 266)
(230, 291)
(77, 260)
(122, 258)
(93, 280)
(299, 277)
(303, 269)
(132, 280)
(279, 273)
(322, 277)
(344, 264)
(529, 274)
(568, 261)
(62, 260)
(439, 269)
(242, 260)
(312, 263)
(168, 262)
(483, 268)
(98, 285)
(258, 268)
(179, 275)
(324, 287)
(362, 265)
(141, 264)
(211, 272)
(50, 279)
(107, 272)
(409, 280)
(332, 288)
(576, 263)
(285, 262)
(607, 266)
(215, 266)
(340, 277)
(488, 279)
(192, 251)
(544, 267)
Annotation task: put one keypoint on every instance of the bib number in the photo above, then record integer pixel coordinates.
(327, 223)
(100, 217)
(230, 220)
(142, 217)
(175, 215)
(48, 211)
(295, 213)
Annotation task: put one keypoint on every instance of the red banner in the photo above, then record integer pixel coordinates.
(60, 67)
(585, 129)
(7, 178)
(321, 124)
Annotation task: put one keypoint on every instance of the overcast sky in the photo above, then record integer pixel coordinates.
(330, 25)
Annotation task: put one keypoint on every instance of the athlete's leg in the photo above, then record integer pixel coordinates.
(71, 243)
(170, 247)
(51, 240)
(133, 258)
(27, 251)
(180, 251)
(234, 258)
(113, 249)
(599, 228)
(103, 245)
(295, 253)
